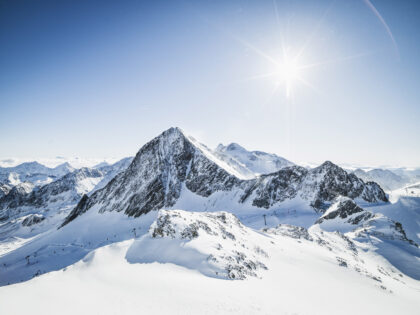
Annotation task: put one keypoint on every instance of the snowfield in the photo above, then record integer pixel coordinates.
(304, 276)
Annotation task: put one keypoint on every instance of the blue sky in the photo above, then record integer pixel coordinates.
(101, 78)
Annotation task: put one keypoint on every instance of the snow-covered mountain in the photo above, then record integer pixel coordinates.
(182, 211)
(387, 179)
(33, 172)
(111, 170)
(75, 162)
(412, 173)
(172, 169)
(28, 210)
(252, 162)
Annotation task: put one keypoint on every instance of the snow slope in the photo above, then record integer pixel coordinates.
(380, 233)
(308, 272)
(253, 162)
(411, 190)
(215, 244)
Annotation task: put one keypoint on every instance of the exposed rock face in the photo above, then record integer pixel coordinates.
(215, 243)
(288, 230)
(4, 190)
(173, 161)
(14, 198)
(347, 210)
(33, 219)
(329, 181)
(277, 187)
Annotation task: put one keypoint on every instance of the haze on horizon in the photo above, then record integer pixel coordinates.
(100, 79)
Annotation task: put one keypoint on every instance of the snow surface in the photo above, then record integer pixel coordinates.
(411, 190)
(312, 272)
(251, 163)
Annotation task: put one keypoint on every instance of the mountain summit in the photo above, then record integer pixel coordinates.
(174, 168)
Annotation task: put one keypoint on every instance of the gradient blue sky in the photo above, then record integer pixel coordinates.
(101, 78)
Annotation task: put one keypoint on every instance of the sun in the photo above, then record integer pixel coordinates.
(289, 73)
(289, 70)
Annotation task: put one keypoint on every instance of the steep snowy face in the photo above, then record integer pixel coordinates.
(173, 162)
(111, 170)
(216, 244)
(254, 162)
(325, 183)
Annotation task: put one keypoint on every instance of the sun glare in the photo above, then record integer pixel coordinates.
(288, 72)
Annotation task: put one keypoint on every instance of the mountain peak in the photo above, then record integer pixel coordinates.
(328, 164)
(234, 146)
(230, 147)
(173, 131)
(64, 166)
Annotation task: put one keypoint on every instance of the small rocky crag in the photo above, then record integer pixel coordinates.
(217, 244)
